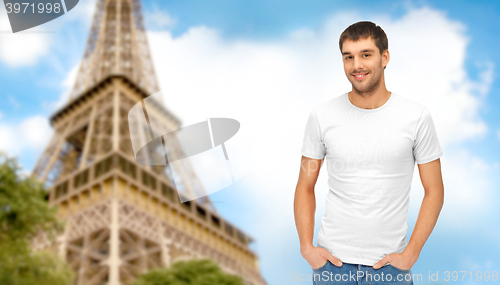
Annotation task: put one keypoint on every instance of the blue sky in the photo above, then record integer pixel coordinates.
(284, 56)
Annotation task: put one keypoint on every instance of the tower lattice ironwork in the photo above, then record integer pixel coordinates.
(124, 218)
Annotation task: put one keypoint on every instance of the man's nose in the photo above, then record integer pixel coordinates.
(358, 64)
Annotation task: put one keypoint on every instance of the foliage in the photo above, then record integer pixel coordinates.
(24, 213)
(196, 271)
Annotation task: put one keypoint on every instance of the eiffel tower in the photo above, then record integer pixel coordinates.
(124, 218)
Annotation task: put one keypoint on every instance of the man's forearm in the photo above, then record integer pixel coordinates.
(427, 218)
(304, 208)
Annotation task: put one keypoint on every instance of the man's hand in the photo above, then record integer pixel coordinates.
(317, 256)
(404, 260)
(430, 174)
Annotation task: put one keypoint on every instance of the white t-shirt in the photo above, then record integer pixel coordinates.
(370, 157)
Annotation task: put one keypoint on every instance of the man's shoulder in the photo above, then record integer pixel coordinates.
(407, 103)
(329, 105)
(409, 111)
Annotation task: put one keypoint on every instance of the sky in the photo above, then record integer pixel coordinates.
(272, 62)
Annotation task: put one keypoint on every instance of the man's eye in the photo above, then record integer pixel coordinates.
(350, 56)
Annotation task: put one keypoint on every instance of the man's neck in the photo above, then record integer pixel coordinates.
(369, 101)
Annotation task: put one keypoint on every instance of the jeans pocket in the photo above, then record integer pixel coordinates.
(323, 266)
(402, 270)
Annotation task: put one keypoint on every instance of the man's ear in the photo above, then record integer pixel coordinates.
(386, 56)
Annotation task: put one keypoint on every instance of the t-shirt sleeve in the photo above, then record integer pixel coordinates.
(312, 145)
(426, 147)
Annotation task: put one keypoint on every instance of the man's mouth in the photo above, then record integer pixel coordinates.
(360, 76)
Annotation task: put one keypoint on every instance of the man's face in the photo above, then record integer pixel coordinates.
(363, 58)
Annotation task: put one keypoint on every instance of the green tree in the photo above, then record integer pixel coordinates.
(196, 271)
(23, 214)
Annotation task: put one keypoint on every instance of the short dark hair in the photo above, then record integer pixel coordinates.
(363, 30)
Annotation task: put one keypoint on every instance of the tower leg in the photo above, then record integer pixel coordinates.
(114, 253)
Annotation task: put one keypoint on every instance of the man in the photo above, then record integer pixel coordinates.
(371, 139)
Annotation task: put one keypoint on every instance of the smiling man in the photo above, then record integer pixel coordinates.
(370, 139)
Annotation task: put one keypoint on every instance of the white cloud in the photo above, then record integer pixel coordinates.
(159, 19)
(8, 141)
(28, 47)
(21, 49)
(469, 192)
(417, 71)
(273, 85)
(31, 134)
(36, 132)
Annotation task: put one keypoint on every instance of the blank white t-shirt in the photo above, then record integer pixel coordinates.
(370, 157)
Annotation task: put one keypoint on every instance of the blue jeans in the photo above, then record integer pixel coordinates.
(358, 274)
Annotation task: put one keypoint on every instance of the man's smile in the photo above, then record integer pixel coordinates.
(360, 76)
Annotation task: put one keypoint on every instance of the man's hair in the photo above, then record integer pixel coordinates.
(364, 30)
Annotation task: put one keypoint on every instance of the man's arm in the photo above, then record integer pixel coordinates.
(430, 175)
(304, 208)
(305, 200)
